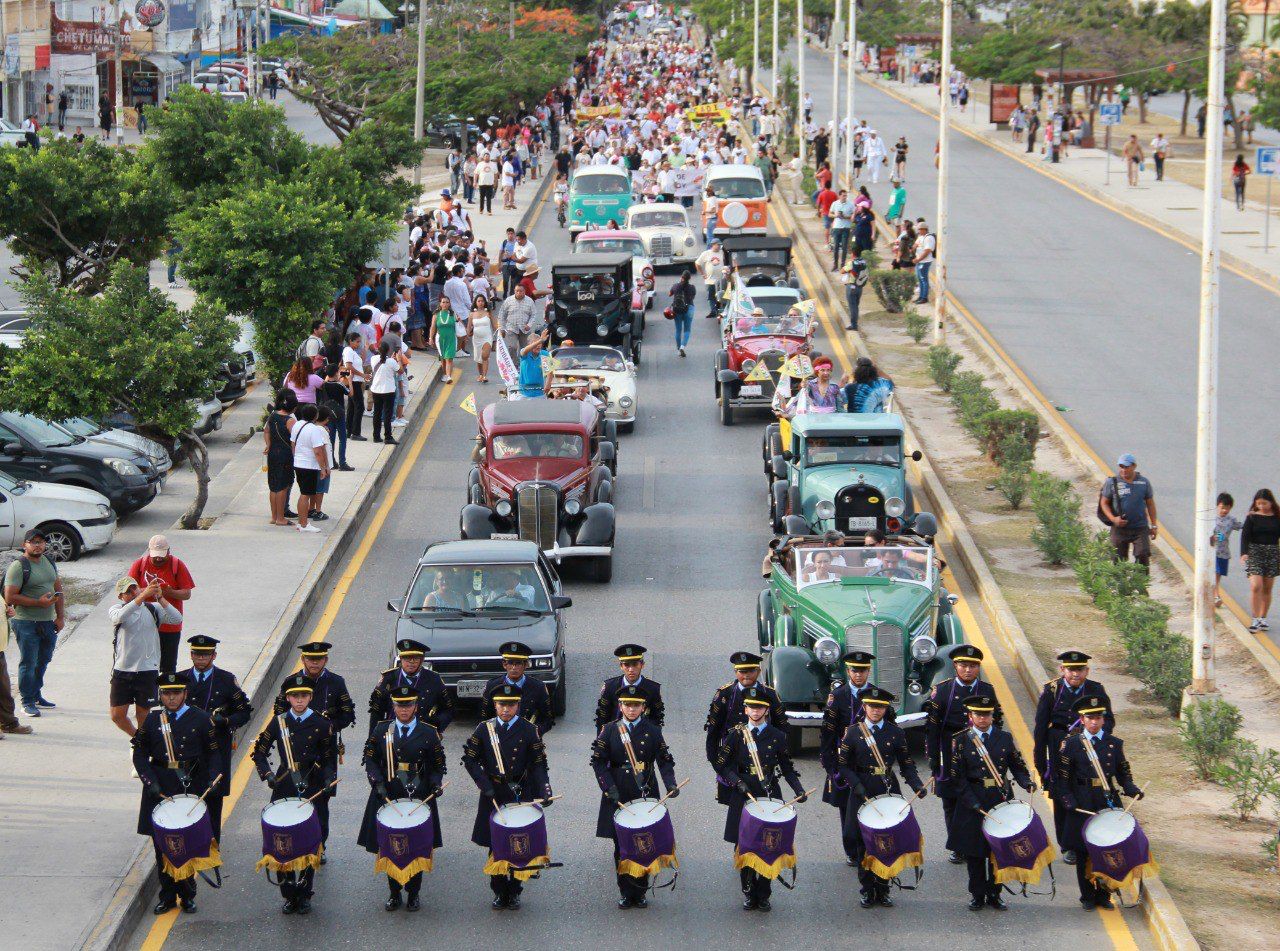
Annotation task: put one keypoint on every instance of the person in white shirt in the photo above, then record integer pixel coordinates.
(135, 669)
(311, 458)
(508, 184)
(710, 264)
(486, 180)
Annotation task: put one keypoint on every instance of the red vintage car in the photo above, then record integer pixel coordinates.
(749, 340)
(544, 475)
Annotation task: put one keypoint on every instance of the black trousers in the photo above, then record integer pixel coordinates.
(297, 885)
(486, 198)
(948, 812)
(506, 886)
(170, 889)
(355, 409)
(1059, 821)
(982, 878)
(169, 643)
(755, 885)
(383, 410)
(411, 887)
(1089, 891)
(629, 886)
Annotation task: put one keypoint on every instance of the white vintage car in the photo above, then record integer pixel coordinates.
(664, 228)
(607, 367)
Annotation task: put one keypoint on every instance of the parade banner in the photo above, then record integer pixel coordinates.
(806, 308)
(588, 113)
(715, 111)
(506, 366)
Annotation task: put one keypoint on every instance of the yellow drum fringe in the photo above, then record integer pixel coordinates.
(494, 867)
(188, 869)
(1028, 876)
(906, 861)
(1099, 878)
(402, 875)
(636, 870)
(758, 865)
(300, 864)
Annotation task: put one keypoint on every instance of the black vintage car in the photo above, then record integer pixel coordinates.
(761, 260)
(592, 302)
(468, 597)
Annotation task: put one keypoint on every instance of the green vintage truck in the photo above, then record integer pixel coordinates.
(843, 472)
(824, 600)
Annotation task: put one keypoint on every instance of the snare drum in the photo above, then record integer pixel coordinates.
(1020, 847)
(291, 837)
(406, 839)
(518, 840)
(890, 835)
(646, 838)
(1119, 853)
(183, 833)
(766, 837)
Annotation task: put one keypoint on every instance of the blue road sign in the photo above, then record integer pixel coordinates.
(1268, 160)
(1109, 113)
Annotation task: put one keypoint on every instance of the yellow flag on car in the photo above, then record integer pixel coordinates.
(798, 366)
(469, 404)
(759, 374)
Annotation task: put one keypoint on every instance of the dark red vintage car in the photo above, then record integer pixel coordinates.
(544, 474)
(751, 339)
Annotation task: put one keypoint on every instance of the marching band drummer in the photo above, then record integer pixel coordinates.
(631, 661)
(174, 751)
(303, 740)
(749, 762)
(981, 756)
(1091, 773)
(403, 759)
(508, 763)
(624, 757)
(435, 703)
(727, 709)
(535, 700)
(217, 693)
(871, 747)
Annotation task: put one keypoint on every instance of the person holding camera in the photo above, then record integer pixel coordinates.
(334, 393)
(135, 637)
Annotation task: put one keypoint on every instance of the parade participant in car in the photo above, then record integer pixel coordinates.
(819, 395)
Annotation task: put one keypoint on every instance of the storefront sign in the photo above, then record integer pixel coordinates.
(13, 55)
(73, 36)
(1004, 99)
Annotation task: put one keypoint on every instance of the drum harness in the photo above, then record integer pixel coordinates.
(1103, 781)
(748, 736)
(1008, 794)
(397, 770)
(496, 745)
(286, 745)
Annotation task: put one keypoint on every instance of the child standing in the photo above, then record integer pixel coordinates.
(1223, 526)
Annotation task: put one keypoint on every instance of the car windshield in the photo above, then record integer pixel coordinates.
(485, 588)
(587, 358)
(658, 219)
(43, 431)
(775, 305)
(757, 257)
(632, 246)
(578, 287)
(826, 565)
(79, 426)
(770, 325)
(11, 485)
(536, 446)
(585, 183)
(883, 450)
(738, 187)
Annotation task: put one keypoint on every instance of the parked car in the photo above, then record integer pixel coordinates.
(625, 242)
(208, 417)
(748, 341)
(80, 426)
(466, 598)
(11, 135)
(74, 520)
(219, 82)
(743, 201)
(664, 227)
(234, 378)
(592, 302)
(544, 476)
(445, 131)
(598, 193)
(842, 472)
(823, 601)
(41, 451)
(760, 260)
(610, 374)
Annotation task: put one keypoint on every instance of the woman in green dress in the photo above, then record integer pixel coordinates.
(444, 334)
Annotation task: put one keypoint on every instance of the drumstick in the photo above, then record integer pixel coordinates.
(1085, 811)
(1132, 800)
(387, 800)
(323, 790)
(919, 793)
(792, 802)
(669, 794)
(428, 799)
(206, 792)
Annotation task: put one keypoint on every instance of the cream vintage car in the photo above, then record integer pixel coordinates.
(664, 228)
(610, 374)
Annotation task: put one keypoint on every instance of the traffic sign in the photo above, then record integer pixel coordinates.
(1268, 160)
(1109, 113)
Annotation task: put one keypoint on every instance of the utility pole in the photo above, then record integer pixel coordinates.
(944, 159)
(511, 23)
(773, 63)
(755, 49)
(420, 95)
(1203, 676)
(835, 95)
(117, 70)
(848, 87)
(251, 47)
(804, 151)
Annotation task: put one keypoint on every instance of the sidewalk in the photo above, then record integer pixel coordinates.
(68, 806)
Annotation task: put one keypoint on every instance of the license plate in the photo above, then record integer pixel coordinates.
(862, 523)
(749, 389)
(660, 261)
(505, 536)
(470, 689)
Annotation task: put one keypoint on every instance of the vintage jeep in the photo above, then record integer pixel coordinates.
(544, 475)
(761, 260)
(751, 340)
(843, 472)
(823, 601)
(592, 302)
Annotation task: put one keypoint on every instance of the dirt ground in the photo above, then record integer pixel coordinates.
(1188, 821)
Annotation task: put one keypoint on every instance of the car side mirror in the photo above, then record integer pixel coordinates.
(917, 455)
(396, 605)
(560, 601)
(952, 599)
(12, 449)
(786, 454)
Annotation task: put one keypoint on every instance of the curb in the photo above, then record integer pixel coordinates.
(1164, 920)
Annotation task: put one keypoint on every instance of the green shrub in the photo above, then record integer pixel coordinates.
(1250, 775)
(894, 288)
(1162, 661)
(1058, 532)
(972, 399)
(1091, 555)
(918, 325)
(808, 182)
(1012, 483)
(1209, 729)
(942, 366)
(1002, 423)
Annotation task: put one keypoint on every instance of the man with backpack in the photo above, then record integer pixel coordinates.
(1127, 505)
(135, 640)
(34, 591)
(312, 349)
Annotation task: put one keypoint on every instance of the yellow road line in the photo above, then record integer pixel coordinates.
(159, 932)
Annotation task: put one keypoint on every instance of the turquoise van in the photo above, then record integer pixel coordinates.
(598, 193)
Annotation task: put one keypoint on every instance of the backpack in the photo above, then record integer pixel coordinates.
(115, 628)
(1110, 490)
(25, 562)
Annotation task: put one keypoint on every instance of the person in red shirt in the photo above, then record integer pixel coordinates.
(176, 585)
(824, 200)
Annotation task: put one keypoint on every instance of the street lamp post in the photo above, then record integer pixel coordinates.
(944, 161)
(755, 48)
(1203, 677)
(804, 152)
(1055, 151)
(835, 96)
(773, 63)
(848, 90)
(420, 94)
(118, 72)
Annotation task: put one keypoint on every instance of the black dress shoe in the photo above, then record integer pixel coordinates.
(885, 901)
(851, 863)
(955, 858)
(867, 901)
(412, 903)
(998, 903)
(513, 902)
(624, 902)
(359, 438)
(499, 902)
(763, 905)
(188, 906)
(392, 903)
(641, 902)
(346, 468)
(1103, 901)
(304, 906)
(163, 905)
(289, 907)
(1087, 904)
(390, 441)
(1069, 857)
(975, 904)
(324, 859)
(749, 904)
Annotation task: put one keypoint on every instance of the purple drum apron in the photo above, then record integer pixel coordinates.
(766, 837)
(1020, 847)
(890, 835)
(406, 839)
(1119, 853)
(646, 838)
(183, 833)
(518, 841)
(291, 837)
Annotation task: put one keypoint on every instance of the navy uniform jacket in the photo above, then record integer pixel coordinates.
(535, 703)
(727, 712)
(613, 769)
(521, 777)
(975, 789)
(312, 743)
(418, 772)
(734, 765)
(1078, 786)
(220, 696)
(435, 703)
(861, 772)
(841, 711)
(945, 716)
(1055, 719)
(607, 706)
(195, 750)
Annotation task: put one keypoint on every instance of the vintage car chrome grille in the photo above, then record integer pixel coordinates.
(660, 246)
(855, 501)
(537, 506)
(889, 657)
(476, 666)
(773, 360)
(813, 630)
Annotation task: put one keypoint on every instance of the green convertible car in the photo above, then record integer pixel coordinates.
(843, 472)
(825, 600)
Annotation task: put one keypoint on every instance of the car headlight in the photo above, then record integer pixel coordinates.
(602, 331)
(572, 507)
(895, 507)
(426, 665)
(542, 663)
(625, 402)
(503, 508)
(648, 273)
(688, 241)
(924, 649)
(825, 509)
(105, 511)
(826, 650)
(748, 366)
(578, 213)
(123, 466)
(562, 331)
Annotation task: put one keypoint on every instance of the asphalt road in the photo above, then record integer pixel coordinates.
(692, 526)
(1099, 311)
